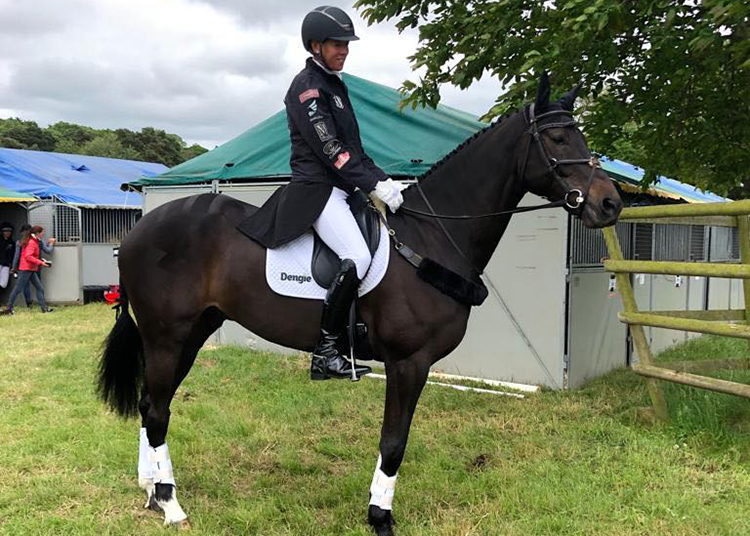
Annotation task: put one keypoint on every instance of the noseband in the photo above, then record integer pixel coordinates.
(574, 198)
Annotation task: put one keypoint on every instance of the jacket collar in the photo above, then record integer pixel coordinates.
(315, 64)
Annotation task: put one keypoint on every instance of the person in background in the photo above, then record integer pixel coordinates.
(28, 268)
(14, 267)
(7, 249)
(46, 248)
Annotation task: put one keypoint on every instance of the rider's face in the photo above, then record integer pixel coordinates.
(334, 53)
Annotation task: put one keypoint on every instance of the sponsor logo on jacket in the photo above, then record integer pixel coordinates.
(342, 159)
(322, 131)
(309, 94)
(332, 148)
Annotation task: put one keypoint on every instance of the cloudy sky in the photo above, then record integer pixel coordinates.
(206, 70)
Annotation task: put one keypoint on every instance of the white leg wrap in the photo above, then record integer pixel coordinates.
(382, 488)
(161, 465)
(145, 470)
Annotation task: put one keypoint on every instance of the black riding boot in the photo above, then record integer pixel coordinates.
(326, 360)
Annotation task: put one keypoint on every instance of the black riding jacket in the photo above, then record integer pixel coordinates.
(326, 144)
(326, 152)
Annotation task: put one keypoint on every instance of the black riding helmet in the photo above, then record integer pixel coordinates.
(327, 22)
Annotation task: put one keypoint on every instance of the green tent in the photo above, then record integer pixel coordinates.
(10, 196)
(402, 142)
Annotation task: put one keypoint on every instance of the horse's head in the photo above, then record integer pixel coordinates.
(558, 164)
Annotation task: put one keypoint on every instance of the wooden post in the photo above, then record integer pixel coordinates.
(679, 210)
(743, 232)
(737, 271)
(639, 336)
(741, 331)
(702, 382)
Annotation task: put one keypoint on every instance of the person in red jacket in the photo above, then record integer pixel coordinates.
(28, 268)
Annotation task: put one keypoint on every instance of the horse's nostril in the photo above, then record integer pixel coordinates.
(611, 205)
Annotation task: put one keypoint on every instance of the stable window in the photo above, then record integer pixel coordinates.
(671, 242)
(107, 226)
(644, 242)
(587, 246)
(698, 243)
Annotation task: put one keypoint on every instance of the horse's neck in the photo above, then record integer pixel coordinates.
(480, 178)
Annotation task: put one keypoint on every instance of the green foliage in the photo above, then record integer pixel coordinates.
(192, 151)
(148, 145)
(71, 133)
(154, 145)
(18, 134)
(107, 144)
(668, 81)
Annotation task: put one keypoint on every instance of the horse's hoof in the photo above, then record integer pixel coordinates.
(381, 521)
(384, 531)
(182, 525)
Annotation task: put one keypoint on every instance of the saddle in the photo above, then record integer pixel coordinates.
(325, 263)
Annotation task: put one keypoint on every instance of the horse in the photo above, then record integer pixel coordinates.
(185, 268)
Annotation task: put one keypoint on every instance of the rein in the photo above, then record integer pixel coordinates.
(534, 130)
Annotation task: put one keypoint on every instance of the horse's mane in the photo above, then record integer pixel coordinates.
(492, 126)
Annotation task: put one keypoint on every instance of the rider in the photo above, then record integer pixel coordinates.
(328, 163)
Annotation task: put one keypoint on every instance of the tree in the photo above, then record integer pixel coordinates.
(667, 81)
(153, 145)
(148, 145)
(18, 134)
(191, 152)
(69, 137)
(108, 145)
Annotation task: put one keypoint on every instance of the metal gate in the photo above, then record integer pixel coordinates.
(61, 221)
(63, 280)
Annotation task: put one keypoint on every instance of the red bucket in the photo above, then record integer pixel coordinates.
(112, 296)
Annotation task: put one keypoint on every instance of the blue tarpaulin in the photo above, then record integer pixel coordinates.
(629, 174)
(89, 181)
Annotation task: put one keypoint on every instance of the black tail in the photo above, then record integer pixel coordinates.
(121, 366)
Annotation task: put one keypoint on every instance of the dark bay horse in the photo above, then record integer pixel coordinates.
(185, 269)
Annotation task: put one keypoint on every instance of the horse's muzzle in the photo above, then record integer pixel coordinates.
(601, 212)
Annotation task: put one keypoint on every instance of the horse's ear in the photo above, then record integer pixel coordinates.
(568, 100)
(542, 94)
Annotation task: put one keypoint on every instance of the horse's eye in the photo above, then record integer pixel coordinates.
(559, 139)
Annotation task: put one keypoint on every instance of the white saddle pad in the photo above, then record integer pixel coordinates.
(288, 270)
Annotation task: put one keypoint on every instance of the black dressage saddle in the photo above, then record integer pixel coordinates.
(325, 263)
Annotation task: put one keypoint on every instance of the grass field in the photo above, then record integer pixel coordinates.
(259, 449)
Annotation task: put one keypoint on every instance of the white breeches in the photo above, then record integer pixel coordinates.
(338, 229)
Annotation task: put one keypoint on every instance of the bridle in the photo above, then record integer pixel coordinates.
(574, 198)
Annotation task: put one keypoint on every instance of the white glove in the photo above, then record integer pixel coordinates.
(389, 192)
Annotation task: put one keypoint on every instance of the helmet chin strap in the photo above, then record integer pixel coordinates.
(318, 58)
